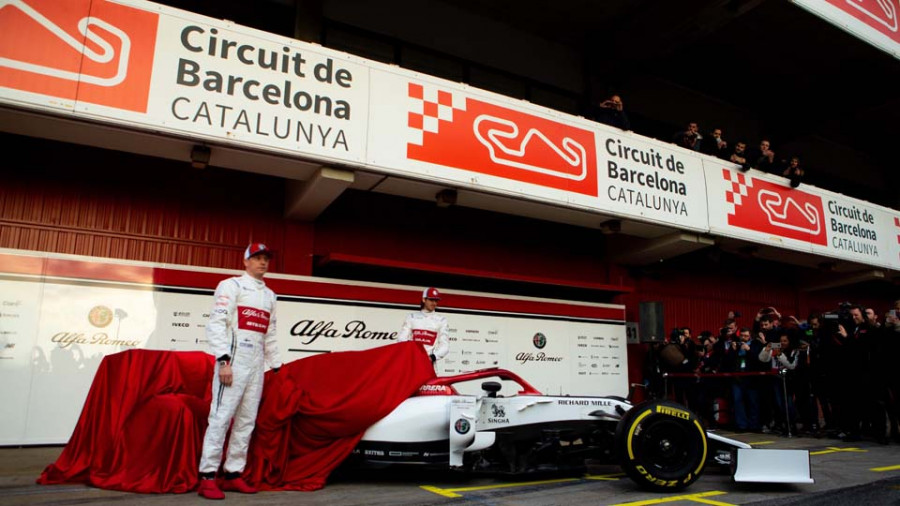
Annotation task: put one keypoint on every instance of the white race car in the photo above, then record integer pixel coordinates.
(660, 444)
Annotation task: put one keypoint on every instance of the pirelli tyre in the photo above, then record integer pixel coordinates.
(662, 445)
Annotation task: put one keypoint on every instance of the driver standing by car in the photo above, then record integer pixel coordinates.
(241, 334)
(427, 327)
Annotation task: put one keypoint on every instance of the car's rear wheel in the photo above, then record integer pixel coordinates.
(662, 445)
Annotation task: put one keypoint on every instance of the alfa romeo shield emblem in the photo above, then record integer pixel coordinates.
(539, 340)
(100, 316)
(462, 426)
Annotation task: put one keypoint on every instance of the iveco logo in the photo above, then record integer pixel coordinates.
(539, 340)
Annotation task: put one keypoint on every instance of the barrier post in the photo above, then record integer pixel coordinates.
(787, 412)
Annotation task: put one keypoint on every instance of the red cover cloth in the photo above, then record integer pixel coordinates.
(315, 410)
(141, 428)
(142, 425)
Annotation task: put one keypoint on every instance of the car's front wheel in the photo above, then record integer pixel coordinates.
(662, 445)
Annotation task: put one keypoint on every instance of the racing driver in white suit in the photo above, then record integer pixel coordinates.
(427, 327)
(241, 335)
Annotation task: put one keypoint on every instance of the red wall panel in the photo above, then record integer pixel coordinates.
(86, 201)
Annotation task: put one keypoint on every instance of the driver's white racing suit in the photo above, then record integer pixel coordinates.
(241, 327)
(428, 328)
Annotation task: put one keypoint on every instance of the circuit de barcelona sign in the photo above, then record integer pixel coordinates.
(162, 70)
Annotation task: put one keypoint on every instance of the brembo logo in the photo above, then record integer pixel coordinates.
(449, 129)
(93, 51)
(765, 207)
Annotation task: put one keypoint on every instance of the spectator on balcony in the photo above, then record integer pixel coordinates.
(715, 145)
(689, 138)
(794, 172)
(739, 156)
(612, 112)
(764, 158)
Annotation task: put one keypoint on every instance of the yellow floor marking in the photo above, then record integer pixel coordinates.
(452, 492)
(833, 449)
(760, 443)
(690, 497)
(886, 468)
(607, 477)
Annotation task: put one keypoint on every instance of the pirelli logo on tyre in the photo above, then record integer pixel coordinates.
(678, 413)
(93, 51)
(450, 129)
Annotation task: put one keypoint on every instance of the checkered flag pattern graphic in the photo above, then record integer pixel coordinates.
(897, 224)
(737, 191)
(428, 106)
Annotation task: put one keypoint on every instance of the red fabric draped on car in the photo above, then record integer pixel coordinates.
(141, 428)
(314, 412)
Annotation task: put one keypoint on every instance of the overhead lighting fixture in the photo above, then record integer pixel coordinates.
(610, 227)
(445, 198)
(200, 156)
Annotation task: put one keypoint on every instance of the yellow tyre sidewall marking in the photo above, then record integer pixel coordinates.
(642, 470)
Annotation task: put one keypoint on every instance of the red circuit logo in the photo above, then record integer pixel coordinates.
(455, 131)
(878, 14)
(93, 51)
(765, 207)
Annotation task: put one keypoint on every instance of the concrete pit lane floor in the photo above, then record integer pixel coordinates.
(857, 474)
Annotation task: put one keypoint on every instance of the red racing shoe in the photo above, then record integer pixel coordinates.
(209, 490)
(238, 485)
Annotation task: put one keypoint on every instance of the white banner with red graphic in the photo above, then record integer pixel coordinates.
(144, 65)
(764, 209)
(874, 21)
(433, 129)
(60, 315)
(151, 67)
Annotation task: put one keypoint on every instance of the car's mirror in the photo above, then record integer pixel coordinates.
(491, 387)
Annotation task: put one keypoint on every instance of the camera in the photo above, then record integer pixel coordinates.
(832, 319)
(776, 346)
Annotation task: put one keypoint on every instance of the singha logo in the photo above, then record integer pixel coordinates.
(498, 411)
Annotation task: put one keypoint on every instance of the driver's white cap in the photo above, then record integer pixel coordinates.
(431, 293)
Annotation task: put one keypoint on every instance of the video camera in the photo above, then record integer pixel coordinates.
(832, 319)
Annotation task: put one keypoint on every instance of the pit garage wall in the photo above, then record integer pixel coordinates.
(62, 314)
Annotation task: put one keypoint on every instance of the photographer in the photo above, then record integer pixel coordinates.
(794, 172)
(852, 343)
(742, 355)
(782, 357)
(612, 112)
(764, 325)
(689, 138)
(820, 359)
